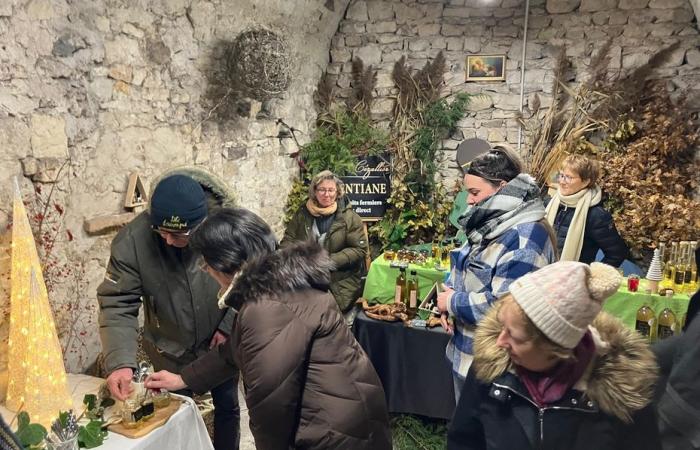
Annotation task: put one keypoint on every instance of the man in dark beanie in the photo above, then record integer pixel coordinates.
(151, 264)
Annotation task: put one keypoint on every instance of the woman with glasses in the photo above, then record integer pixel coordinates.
(507, 237)
(581, 223)
(327, 218)
(308, 383)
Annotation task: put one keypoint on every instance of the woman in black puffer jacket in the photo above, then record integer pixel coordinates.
(581, 224)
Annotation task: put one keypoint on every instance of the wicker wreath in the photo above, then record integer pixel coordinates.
(259, 64)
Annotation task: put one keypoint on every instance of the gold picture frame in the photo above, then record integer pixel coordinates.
(486, 68)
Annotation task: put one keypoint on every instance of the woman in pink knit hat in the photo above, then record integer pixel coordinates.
(552, 372)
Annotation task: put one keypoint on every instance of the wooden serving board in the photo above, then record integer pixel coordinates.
(160, 417)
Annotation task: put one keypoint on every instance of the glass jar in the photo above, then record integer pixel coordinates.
(131, 413)
(161, 398)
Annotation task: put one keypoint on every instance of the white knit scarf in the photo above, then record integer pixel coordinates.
(582, 201)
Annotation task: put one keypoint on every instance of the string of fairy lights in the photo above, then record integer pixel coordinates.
(37, 376)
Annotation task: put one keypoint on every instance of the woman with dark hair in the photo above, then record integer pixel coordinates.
(308, 383)
(581, 223)
(327, 218)
(507, 237)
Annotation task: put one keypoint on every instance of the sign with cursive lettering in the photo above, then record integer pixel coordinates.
(369, 189)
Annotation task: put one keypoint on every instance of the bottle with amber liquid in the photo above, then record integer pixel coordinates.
(693, 285)
(413, 294)
(446, 249)
(669, 267)
(667, 323)
(679, 267)
(646, 323)
(400, 287)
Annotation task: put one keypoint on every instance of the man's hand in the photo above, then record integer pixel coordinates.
(119, 383)
(443, 297)
(218, 338)
(165, 380)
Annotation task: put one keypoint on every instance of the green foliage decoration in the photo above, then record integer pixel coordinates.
(412, 433)
(420, 206)
(30, 435)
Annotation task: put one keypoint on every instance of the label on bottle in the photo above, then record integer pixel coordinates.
(688, 277)
(643, 328)
(397, 294)
(665, 331)
(412, 300)
(680, 276)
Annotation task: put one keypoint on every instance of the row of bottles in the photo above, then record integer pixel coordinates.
(407, 291)
(680, 272)
(441, 251)
(662, 327)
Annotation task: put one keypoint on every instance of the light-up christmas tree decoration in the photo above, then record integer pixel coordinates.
(655, 273)
(37, 377)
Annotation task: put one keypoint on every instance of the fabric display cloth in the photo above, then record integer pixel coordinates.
(411, 364)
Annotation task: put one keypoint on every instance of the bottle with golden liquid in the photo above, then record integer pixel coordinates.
(646, 323)
(679, 273)
(693, 285)
(446, 249)
(413, 294)
(400, 287)
(669, 273)
(667, 323)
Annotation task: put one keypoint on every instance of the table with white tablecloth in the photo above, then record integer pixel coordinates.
(185, 430)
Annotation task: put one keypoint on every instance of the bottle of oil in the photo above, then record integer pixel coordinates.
(413, 294)
(446, 249)
(669, 273)
(667, 323)
(646, 323)
(679, 274)
(400, 287)
(693, 285)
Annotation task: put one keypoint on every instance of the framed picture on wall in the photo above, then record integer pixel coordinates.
(486, 67)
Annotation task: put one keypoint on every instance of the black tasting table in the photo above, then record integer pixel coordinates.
(411, 365)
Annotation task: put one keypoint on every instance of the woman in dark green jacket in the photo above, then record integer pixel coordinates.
(328, 218)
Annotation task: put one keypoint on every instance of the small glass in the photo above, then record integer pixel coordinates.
(633, 283)
(131, 414)
(161, 398)
(389, 255)
(70, 444)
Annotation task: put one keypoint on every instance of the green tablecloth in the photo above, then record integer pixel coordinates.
(624, 304)
(381, 280)
(379, 288)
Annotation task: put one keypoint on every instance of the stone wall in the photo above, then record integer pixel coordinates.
(380, 32)
(91, 90)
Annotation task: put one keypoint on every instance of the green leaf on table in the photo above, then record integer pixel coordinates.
(91, 435)
(63, 418)
(90, 400)
(29, 434)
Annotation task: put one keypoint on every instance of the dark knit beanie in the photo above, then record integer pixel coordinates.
(178, 203)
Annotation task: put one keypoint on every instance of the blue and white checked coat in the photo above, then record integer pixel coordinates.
(482, 273)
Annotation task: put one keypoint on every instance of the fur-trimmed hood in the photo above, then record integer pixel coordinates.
(621, 376)
(218, 194)
(299, 266)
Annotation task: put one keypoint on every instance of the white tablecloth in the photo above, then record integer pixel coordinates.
(185, 430)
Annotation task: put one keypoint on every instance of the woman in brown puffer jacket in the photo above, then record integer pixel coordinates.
(308, 384)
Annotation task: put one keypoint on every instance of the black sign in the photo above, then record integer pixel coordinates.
(369, 189)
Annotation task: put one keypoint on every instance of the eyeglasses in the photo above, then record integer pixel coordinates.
(566, 178)
(326, 191)
(178, 235)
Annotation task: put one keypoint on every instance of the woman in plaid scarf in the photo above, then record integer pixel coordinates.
(507, 237)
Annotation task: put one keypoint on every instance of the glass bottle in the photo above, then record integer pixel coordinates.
(667, 323)
(446, 249)
(435, 252)
(667, 282)
(413, 294)
(693, 286)
(400, 287)
(646, 323)
(679, 266)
